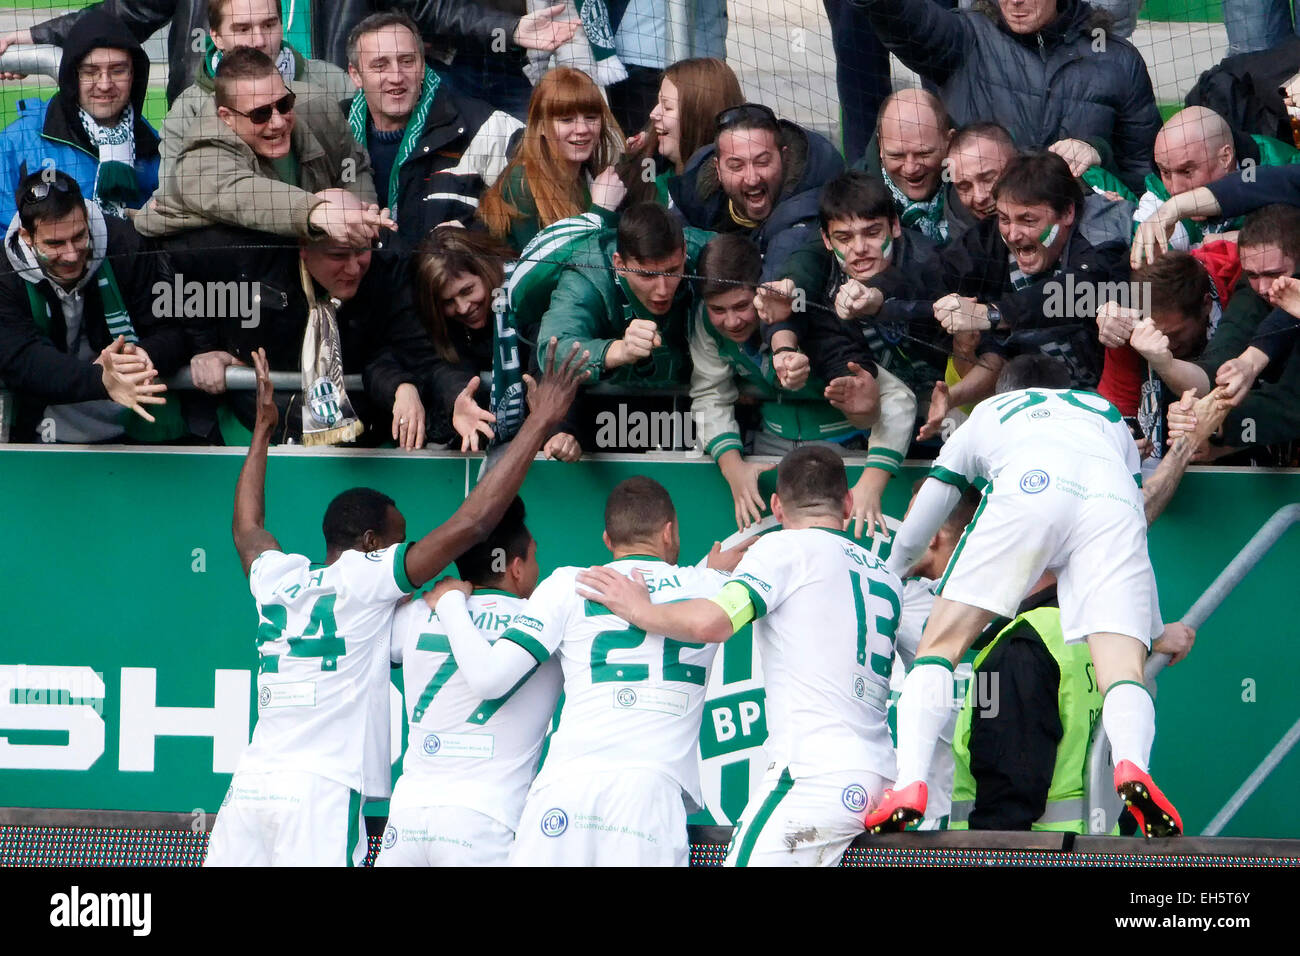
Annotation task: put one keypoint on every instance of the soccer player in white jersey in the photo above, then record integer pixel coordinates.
(1060, 474)
(321, 740)
(471, 751)
(610, 791)
(824, 610)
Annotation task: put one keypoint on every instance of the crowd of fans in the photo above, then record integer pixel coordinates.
(424, 220)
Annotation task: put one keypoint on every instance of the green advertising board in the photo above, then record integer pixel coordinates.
(127, 659)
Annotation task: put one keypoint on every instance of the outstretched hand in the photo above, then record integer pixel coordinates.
(550, 399)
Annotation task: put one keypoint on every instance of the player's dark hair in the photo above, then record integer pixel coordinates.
(1178, 283)
(854, 195)
(648, 232)
(241, 63)
(962, 512)
(1040, 177)
(351, 514)
(811, 480)
(636, 510)
(1276, 225)
(994, 132)
(1033, 371)
(46, 195)
(483, 564)
(729, 261)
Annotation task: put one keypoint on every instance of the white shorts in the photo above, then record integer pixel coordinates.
(444, 836)
(619, 818)
(1087, 526)
(806, 822)
(287, 818)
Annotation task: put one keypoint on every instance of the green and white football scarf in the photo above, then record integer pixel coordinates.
(1196, 231)
(284, 62)
(116, 185)
(327, 414)
(927, 217)
(359, 118)
(296, 17)
(591, 49)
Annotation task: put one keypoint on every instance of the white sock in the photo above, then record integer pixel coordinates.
(1129, 716)
(923, 709)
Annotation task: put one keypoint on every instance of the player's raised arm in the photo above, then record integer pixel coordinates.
(491, 670)
(1209, 412)
(699, 620)
(249, 524)
(548, 401)
(930, 509)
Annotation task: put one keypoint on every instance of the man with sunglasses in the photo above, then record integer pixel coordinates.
(93, 127)
(255, 157)
(762, 178)
(80, 345)
(258, 24)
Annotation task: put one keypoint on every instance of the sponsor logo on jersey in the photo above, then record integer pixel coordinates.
(523, 620)
(230, 792)
(390, 837)
(854, 798)
(263, 697)
(859, 688)
(432, 744)
(1032, 482)
(376, 555)
(554, 822)
(626, 697)
(761, 585)
(1040, 413)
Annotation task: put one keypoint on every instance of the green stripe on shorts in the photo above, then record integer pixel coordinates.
(965, 536)
(765, 811)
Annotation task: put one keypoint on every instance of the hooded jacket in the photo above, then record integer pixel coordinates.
(329, 29)
(217, 179)
(47, 369)
(810, 163)
(1064, 81)
(52, 130)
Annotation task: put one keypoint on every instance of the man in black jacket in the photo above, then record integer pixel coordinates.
(80, 342)
(433, 151)
(379, 333)
(328, 27)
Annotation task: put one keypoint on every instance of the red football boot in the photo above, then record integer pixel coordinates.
(898, 809)
(1155, 815)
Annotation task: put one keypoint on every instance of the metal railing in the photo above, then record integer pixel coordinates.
(1105, 805)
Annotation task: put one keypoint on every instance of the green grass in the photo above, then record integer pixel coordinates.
(1183, 11)
(62, 6)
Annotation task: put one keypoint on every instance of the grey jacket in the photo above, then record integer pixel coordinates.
(217, 179)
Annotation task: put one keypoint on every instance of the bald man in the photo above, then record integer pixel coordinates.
(913, 130)
(1195, 148)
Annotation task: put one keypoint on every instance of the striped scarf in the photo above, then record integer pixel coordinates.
(116, 185)
(359, 120)
(927, 217)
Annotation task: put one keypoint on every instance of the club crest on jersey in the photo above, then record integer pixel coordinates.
(432, 744)
(854, 798)
(1032, 482)
(1040, 413)
(390, 837)
(554, 822)
(626, 697)
(264, 697)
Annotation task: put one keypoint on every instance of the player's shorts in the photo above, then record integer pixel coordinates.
(287, 818)
(618, 818)
(806, 822)
(1088, 526)
(444, 836)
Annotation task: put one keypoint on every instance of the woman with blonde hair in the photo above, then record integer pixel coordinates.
(564, 165)
(459, 273)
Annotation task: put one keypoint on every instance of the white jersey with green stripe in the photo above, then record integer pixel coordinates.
(826, 613)
(462, 750)
(1041, 429)
(323, 676)
(631, 699)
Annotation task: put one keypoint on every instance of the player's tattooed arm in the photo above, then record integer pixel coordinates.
(548, 402)
(1208, 413)
(249, 524)
(698, 620)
